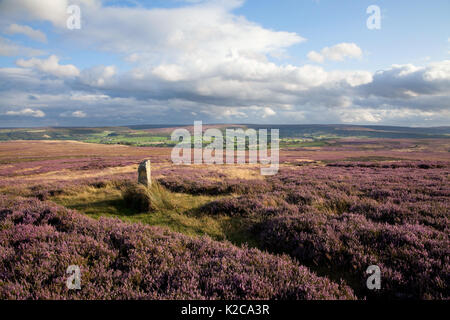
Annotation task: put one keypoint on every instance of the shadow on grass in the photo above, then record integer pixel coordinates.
(96, 209)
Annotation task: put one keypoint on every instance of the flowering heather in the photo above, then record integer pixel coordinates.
(45, 189)
(414, 259)
(393, 165)
(341, 219)
(195, 184)
(39, 240)
(259, 206)
(44, 166)
(413, 212)
(394, 195)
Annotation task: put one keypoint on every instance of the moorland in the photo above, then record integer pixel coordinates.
(345, 198)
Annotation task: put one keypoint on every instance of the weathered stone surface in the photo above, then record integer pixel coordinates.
(145, 173)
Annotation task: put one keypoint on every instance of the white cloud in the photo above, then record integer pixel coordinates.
(231, 113)
(170, 72)
(362, 116)
(79, 114)
(338, 52)
(387, 113)
(438, 71)
(268, 112)
(28, 31)
(316, 57)
(50, 65)
(46, 10)
(54, 11)
(409, 81)
(27, 112)
(204, 29)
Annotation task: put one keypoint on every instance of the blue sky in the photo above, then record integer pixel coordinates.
(411, 30)
(224, 61)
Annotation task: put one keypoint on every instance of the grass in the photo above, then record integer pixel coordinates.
(178, 212)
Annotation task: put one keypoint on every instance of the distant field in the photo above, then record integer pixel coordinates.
(159, 136)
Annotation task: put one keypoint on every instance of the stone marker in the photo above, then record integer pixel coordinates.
(145, 173)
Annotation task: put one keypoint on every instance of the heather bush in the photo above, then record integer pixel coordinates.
(429, 214)
(204, 185)
(414, 259)
(339, 219)
(39, 240)
(301, 197)
(423, 194)
(259, 206)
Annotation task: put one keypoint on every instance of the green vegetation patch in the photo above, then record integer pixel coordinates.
(178, 211)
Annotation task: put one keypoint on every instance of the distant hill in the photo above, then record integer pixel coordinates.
(159, 135)
(339, 130)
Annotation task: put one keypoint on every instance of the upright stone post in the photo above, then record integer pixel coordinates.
(145, 173)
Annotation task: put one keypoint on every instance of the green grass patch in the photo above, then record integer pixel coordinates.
(176, 211)
(302, 144)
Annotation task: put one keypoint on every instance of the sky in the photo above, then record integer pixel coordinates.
(224, 61)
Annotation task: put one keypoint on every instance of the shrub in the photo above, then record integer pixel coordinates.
(414, 259)
(145, 199)
(260, 206)
(137, 196)
(198, 184)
